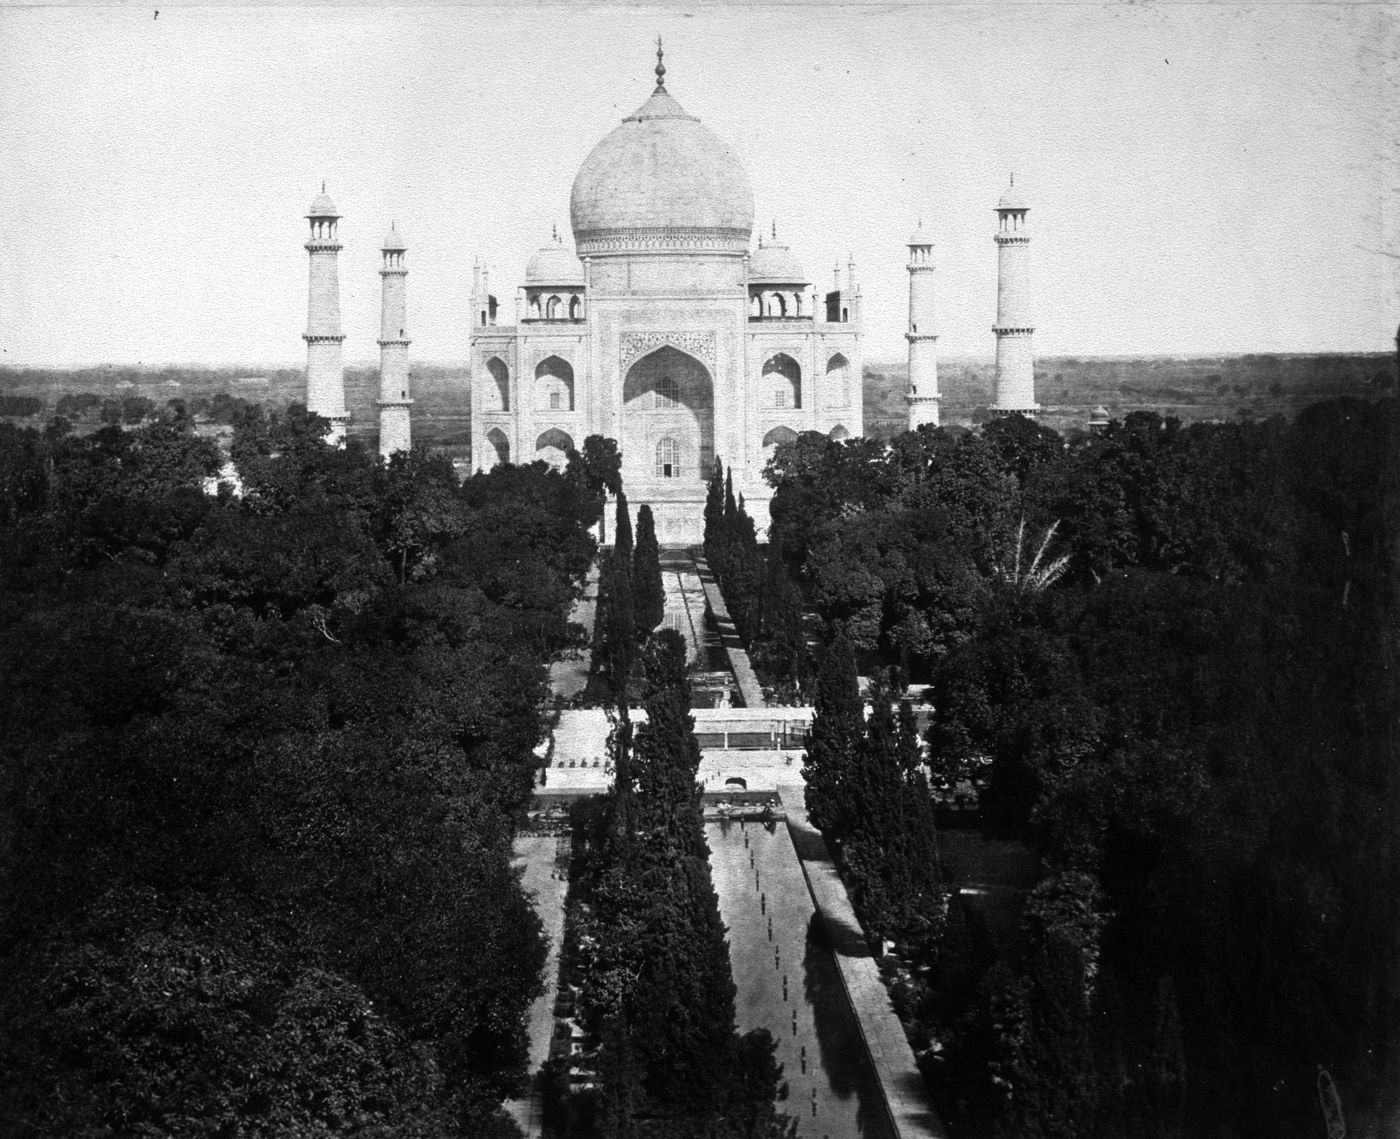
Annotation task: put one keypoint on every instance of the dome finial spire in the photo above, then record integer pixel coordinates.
(775, 229)
(660, 70)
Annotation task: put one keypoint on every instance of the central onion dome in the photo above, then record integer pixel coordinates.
(661, 181)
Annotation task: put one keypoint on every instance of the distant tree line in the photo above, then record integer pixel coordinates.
(1171, 651)
(260, 764)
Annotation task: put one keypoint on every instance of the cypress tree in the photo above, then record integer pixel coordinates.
(647, 586)
(714, 507)
(834, 745)
(622, 530)
(617, 623)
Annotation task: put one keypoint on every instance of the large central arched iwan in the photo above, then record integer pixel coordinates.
(668, 418)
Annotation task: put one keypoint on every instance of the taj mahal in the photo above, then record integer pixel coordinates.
(665, 327)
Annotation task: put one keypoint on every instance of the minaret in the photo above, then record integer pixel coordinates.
(923, 352)
(1015, 377)
(325, 376)
(393, 350)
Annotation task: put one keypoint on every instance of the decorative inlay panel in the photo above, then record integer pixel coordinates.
(634, 345)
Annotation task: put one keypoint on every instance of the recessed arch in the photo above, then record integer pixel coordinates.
(782, 378)
(837, 387)
(553, 446)
(554, 384)
(552, 308)
(497, 438)
(497, 394)
(668, 393)
(779, 436)
(575, 307)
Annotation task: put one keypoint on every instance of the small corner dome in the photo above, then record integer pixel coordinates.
(661, 178)
(920, 236)
(393, 243)
(1013, 199)
(775, 262)
(323, 207)
(553, 264)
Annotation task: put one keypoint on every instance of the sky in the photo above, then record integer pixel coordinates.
(1203, 178)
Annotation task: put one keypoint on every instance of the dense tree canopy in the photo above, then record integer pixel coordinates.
(260, 764)
(1173, 649)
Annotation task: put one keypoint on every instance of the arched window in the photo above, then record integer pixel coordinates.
(668, 392)
(784, 381)
(575, 308)
(498, 390)
(551, 308)
(777, 306)
(500, 444)
(755, 305)
(667, 459)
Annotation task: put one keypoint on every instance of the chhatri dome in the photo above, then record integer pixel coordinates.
(661, 170)
(774, 263)
(552, 264)
(1013, 199)
(323, 207)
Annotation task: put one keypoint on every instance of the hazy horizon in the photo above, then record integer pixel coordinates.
(1203, 180)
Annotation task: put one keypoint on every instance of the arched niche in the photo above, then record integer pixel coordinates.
(554, 385)
(837, 388)
(838, 433)
(500, 444)
(668, 393)
(782, 380)
(553, 446)
(496, 397)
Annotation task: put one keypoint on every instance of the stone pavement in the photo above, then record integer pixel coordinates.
(569, 676)
(536, 857)
(905, 1096)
